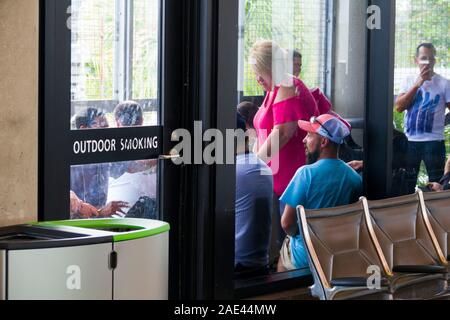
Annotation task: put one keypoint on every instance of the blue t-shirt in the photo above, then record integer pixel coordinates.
(254, 198)
(327, 183)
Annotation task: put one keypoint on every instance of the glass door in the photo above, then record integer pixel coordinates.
(114, 84)
(101, 129)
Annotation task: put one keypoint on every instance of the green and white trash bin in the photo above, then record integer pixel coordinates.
(120, 259)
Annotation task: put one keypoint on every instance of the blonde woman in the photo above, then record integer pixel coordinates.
(287, 101)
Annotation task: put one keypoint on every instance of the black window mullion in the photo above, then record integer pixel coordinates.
(379, 104)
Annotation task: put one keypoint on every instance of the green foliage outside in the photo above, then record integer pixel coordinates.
(95, 48)
(304, 32)
(145, 49)
(421, 21)
(99, 68)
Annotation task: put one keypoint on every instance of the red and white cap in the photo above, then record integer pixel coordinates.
(328, 126)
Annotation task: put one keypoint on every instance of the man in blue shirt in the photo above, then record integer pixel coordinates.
(254, 196)
(325, 182)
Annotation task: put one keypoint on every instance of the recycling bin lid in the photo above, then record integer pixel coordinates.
(25, 237)
(121, 229)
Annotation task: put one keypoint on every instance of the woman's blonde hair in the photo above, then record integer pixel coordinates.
(268, 58)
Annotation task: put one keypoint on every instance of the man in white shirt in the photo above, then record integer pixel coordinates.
(425, 99)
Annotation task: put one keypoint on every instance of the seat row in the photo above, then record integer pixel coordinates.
(389, 249)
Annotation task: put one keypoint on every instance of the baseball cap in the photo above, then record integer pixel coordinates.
(327, 126)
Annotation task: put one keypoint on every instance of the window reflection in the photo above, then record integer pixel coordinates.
(120, 189)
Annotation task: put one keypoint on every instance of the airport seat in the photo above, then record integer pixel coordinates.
(406, 248)
(437, 206)
(340, 252)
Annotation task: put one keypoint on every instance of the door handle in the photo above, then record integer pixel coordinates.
(171, 156)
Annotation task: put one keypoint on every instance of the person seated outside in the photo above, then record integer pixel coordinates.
(89, 183)
(128, 114)
(399, 164)
(143, 183)
(254, 196)
(297, 61)
(248, 111)
(444, 183)
(91, 118)
(324, 182)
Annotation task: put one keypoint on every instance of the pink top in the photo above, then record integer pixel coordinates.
(322, 101)
(292, 156)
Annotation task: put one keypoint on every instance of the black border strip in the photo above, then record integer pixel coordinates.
(378, 129)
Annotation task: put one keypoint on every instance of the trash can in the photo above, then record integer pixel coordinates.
(45, 264)
(117, 259)
(141, 250)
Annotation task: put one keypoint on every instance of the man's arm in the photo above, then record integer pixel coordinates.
(289, 221)
(278, 138)
(356, 165)
(405, 100)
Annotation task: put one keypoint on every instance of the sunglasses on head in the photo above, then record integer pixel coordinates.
(315, 120)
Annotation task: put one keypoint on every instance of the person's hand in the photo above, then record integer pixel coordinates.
(425, 74)
(356, 165)
(435, 186)
(113, 207)
(80, 208)
(87, 211)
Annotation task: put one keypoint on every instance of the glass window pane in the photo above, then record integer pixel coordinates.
(120, 189)
(423, 125)
(93, 31)
(114, 61)
(278, 38)
(305, 32)
(145, 57)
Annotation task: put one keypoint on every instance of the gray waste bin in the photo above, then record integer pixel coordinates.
(85, 259)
